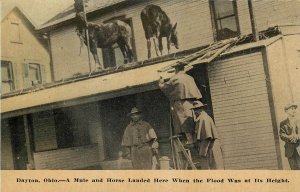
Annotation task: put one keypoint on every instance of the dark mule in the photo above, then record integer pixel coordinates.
(104, 35)
(157, 24)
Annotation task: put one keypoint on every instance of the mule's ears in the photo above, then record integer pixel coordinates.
(174, 27)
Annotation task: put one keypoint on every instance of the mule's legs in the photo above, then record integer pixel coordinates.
(168, 44)
(160, 44)
(149, 48)
(155, 46)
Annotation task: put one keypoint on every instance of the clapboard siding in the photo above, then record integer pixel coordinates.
(242, 112)
(194, 29)
(44, 131)
(70, 158)
(193, 25)
(273, 12)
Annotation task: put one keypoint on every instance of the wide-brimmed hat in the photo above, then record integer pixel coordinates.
(134, 110)
(197, 105)
(290, 105)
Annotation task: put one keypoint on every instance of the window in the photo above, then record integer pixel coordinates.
(71, 129)
(15, 33)
(7, 80)
(224, 18)
(33, 74)
(113, 56)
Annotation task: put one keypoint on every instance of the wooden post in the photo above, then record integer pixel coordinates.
(87, 36)
(28, 142)
(253, 23)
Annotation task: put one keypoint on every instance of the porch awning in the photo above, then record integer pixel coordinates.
(98, 88)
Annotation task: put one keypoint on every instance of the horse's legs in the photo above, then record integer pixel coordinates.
(128, 48)
(123, 50)
(93, 49)
(149, 48)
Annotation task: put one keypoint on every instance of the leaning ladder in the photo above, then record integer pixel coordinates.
(179, 149)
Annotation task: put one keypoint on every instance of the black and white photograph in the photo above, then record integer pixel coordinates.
(150, 85)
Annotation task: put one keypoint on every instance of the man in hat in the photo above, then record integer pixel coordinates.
(289, 133)
(181, 90)
(139, 140)
(208, 141)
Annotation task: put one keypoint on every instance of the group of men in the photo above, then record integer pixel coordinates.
(189, 119)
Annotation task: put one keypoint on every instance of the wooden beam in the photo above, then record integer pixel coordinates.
(253, 22)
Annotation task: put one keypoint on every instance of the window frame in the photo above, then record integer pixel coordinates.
(19, 41)
(214, 19)
(109, 52)
(11, 74)
(38, 67)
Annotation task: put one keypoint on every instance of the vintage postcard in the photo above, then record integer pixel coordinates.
(150, 95)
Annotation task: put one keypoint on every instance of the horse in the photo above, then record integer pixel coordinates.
(106, 35)
(157, 24)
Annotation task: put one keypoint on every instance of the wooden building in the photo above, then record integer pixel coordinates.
(78, 120)
(25, 63)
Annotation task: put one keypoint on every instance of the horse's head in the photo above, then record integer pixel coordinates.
(173, 37)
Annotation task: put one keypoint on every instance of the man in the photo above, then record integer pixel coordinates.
(181, 90)
(289, 133)
(207, 139)
(139, 140)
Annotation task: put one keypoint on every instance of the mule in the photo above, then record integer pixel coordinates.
(157, 24)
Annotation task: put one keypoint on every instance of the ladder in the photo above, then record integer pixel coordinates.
(180, 151)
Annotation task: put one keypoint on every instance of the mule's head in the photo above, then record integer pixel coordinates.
(173, 37)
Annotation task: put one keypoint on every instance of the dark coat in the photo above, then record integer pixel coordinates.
(285, 134)
(181, 86)
(181, 90)
(138, 137)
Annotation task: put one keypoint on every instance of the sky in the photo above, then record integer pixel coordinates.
(39, 11)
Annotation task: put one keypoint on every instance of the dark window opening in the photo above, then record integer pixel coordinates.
(224, 18)
(69, 132)
(200, 75)
(18, 142)
(113, 57)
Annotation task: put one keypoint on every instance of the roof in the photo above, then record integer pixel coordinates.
(69, 13)
(22, 13)
(30, 23)
(102, 87)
